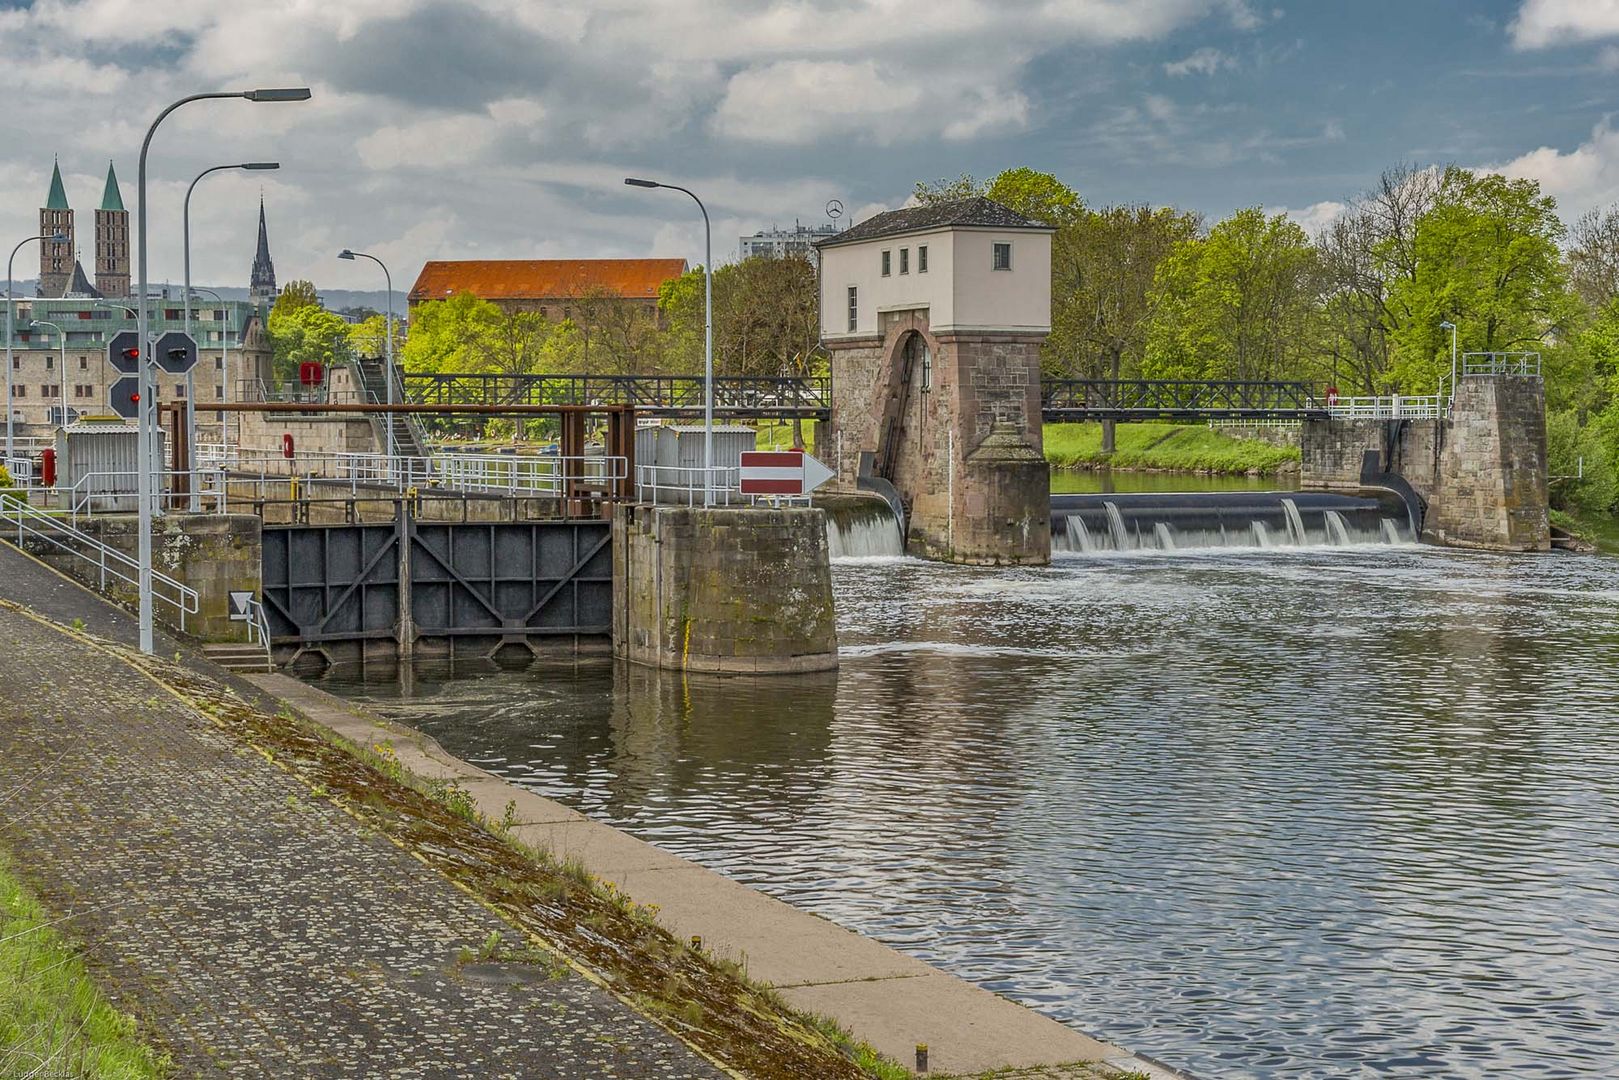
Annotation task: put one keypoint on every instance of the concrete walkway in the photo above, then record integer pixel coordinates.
(884, 997)
(257, 930)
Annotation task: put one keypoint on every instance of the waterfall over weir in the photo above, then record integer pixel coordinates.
(1240, 519)
(860, 527)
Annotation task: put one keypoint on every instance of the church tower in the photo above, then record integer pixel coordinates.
(112, 241)
(261, 285)
(55, 258)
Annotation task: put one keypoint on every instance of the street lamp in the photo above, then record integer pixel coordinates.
(55, 238)
(145, 416)
(61, 386)
(708, 335)
(185, 220)
(1447, 325)
(387, 349)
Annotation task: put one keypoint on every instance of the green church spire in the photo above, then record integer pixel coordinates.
(110, 198)
(58, 196)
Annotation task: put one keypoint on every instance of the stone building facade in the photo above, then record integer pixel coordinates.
(933, 317)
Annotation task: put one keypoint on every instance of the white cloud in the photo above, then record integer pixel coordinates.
(1581, 179)
(1315, 217)
(1543, 23)
(1205, 61)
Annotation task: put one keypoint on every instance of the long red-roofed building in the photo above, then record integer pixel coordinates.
(553, 287)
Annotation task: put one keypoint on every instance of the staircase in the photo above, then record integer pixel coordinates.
(242, 659)
(408, 439)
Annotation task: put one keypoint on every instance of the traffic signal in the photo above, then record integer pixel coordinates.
(124, 397)
(124, 352)
(176, 353)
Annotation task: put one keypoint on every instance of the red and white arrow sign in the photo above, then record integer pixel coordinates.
(781, 472)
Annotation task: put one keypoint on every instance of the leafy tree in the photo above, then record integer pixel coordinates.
(303, 334)
(1034, 194)
(1237, 304)
(1489, 261)
(1593, 258)
(296, 294)
(943, 191)
(1581, 465)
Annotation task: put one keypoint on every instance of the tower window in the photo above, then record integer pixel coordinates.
(854, 306)
(1001, 258)
(887, 258)
(922, 258)
(905, 260)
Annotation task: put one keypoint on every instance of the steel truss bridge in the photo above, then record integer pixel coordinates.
(769, 398)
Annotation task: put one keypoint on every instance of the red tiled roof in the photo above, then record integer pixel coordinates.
(535, 279)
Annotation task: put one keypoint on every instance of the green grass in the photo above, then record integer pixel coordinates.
(1599, 529)
(1192, 447)
(53, 1020)
(778, 435)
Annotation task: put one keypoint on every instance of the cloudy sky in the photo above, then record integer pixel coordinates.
(503, 128)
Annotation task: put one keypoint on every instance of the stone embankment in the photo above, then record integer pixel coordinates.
(315, 895)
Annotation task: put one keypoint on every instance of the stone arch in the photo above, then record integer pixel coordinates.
(910, 366)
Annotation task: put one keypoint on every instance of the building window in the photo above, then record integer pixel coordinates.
(20, 390)
(887, 257)
(854, 306)
(180, 390)
(922, 259)
(84, 363)
(50, 363)
(905, 260)
(219, 363)
(1002, 257)
(47, 391)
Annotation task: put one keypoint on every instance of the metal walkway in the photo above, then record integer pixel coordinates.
(761, 398)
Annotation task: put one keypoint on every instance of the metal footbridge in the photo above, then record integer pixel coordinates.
(810, 398)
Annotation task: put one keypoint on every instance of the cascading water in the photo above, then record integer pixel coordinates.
(1337, 530)
(1164, 522)
(1295, 523)
(861, 528)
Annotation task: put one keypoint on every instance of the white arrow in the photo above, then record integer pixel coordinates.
(815, 474)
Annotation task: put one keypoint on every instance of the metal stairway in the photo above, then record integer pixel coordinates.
(409, 440)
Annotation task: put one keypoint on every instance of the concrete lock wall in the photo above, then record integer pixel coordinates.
(1481, 471)
(957, 434)
(212, 553)
(723, 589)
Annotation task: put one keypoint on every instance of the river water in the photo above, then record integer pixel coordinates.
(1309, 812)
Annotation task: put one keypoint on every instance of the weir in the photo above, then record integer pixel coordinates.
(1087, 524)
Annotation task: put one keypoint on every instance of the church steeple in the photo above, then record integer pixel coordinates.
(55, 257)
(112, 240)
(261, 284)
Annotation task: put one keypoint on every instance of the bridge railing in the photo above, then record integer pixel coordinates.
(651, 394)
(1391, 407)
(1525, 365)
(1141, 398)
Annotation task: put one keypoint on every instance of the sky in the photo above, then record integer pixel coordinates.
(504, 128)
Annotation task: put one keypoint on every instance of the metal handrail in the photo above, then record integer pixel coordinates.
(686, 484)
(1522, 364)
(79, 500)
(107, 559)
(258, 627)
(1391, 407)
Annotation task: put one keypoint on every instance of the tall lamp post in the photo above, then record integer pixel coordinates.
(61, 386)
(185, 220)
(1447, 325)
(55, 238)
(145, 424)
(708, 335)
(224, 363)
(387, 349)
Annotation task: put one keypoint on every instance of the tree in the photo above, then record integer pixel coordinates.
(1485, 257)
(1593, 260)
(464, 333)
(1033, 194)
(306, 334)
(1239, 304)
(1102, 270)
(296, 294)
(943, 191)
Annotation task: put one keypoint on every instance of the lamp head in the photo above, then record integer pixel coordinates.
(258, 166)
(58, 238)
(1447, 326)
(284, 93)
(346, 254)
(633, 182)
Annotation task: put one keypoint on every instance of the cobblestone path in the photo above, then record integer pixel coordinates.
(256, 930)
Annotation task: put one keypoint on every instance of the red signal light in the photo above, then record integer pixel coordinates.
(135, 398)
(132, 354)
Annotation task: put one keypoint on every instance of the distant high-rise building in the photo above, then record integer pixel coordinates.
(112, 240)
(799, 240)
(55, 256)
(261, 285)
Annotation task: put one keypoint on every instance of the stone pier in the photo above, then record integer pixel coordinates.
(723, 589)
(1478, 477)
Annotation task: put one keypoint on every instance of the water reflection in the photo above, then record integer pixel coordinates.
(1318, 812)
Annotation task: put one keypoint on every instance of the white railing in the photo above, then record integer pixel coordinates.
(115, 492)
(258, 629)
(503, 474)
(1522, 364)
(1393, 407)
(687, 485)
(109, 562)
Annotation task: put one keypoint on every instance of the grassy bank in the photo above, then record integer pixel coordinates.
(53, 1020)
(1599, 529)
(1190, 447)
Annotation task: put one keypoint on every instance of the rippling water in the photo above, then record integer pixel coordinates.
(1322, 812)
